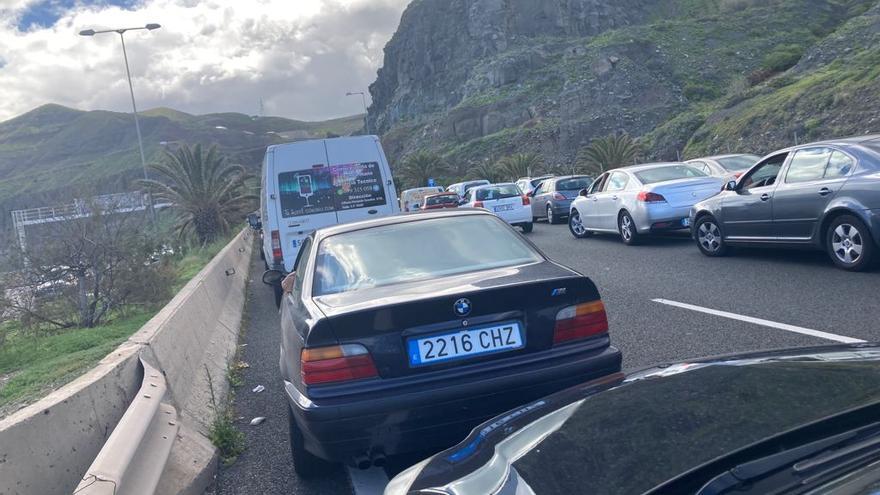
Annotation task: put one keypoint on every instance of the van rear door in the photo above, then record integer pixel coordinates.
(305, 194)
(362, 179)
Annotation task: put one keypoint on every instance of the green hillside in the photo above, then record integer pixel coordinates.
(686, 77)
(52, 150)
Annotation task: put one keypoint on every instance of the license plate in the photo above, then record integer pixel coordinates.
(686, 222)
(464, 344)
(504, 208)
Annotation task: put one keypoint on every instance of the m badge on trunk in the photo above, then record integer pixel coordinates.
(462, 307)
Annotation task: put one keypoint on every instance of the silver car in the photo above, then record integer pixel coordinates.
(820, 195)
(641, 199)
(727, 166)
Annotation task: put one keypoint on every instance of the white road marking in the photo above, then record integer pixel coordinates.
(766, 323)
(367, 481)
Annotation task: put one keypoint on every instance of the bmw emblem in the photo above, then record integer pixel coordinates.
(462, 307)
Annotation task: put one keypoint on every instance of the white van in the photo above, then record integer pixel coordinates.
(312, 184)
(411, 199)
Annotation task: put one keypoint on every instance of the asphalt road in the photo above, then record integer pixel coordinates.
(789, 291)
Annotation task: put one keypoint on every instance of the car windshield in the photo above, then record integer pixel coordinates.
(573, 184)
(470, 185)
(497, 192)
(737, 163)
(667, 173)
(441, 200)
(420, 250)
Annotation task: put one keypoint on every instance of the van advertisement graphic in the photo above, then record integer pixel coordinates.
(324, 189)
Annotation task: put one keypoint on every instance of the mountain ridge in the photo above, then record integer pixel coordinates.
(55, 151)
(682, 76)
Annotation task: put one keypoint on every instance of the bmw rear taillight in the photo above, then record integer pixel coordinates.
(277, 255)
(338, 363)
(559, 196)
(478, 204)
(526, 200)
(580, 322)
(650, 197)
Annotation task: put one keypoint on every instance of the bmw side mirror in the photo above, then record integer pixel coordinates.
(273, 277)
(531, 194)
(731, 185)
(583, 192)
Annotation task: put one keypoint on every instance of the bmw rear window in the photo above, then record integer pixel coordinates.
(419, 250)
(669, 172)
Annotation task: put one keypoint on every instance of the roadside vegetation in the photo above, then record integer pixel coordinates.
(86, 284)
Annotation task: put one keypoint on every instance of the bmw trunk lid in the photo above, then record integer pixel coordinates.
(385, 319)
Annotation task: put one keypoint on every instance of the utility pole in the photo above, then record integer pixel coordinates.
(137, 125)
(366, 110)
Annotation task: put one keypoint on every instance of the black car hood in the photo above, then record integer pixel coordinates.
(335, 304)
(630, 434)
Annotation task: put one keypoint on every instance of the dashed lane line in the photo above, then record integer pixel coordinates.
(767, 323)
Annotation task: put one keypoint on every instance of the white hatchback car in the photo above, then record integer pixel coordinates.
(506, 201)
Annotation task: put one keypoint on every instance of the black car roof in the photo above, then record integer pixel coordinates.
(397, 219)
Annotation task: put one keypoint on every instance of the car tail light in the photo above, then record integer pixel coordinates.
(526, 200)
(559, 196)
(478, 204)
(338, 363)
(580, 322)
(277, 255)
(650, 197)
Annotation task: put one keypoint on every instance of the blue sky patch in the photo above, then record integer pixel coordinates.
(46, 13)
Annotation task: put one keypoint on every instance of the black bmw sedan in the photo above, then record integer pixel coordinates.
(784, 422)
(401, 334)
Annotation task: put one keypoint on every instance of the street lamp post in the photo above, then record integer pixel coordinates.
(137, 125)
(366, 111)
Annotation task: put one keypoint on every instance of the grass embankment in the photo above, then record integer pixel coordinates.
(35, 361)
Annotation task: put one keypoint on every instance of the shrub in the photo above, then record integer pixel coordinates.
(782, 58)
(700, 92)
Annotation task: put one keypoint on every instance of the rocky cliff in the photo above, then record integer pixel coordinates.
(476, 79)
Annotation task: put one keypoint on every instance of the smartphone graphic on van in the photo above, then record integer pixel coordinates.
(305, 187)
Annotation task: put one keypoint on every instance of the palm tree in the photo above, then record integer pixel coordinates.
(611, 151)
(512, 167)
(207, 194)
(420, 166)
(483, 170)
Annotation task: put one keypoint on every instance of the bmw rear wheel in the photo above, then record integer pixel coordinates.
(576, 227)
(849, 243)
(306, 464)
(709, 238)
(627, 227)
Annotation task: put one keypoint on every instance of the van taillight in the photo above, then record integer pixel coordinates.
(526, 201)
(337, 363)
(580, 322)
(277, 255)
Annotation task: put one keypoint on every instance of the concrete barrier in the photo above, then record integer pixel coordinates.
(46, 447)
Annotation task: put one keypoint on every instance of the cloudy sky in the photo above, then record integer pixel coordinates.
(300, 56)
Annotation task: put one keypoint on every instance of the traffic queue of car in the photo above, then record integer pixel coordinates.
(446, 329)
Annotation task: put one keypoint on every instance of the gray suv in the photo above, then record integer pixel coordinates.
(823, 195)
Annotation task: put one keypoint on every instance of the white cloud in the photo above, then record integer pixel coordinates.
(300, 56)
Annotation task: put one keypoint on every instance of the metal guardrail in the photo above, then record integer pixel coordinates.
(133, 458)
